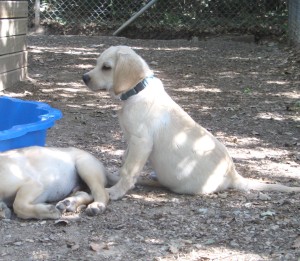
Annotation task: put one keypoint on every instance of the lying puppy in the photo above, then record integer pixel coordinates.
(31, 176)
(185, 156)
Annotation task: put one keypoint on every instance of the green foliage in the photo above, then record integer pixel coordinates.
(248, 90)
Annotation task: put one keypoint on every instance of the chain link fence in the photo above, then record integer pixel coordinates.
(165, 19)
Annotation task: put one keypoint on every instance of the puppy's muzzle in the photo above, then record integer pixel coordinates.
(86, 78)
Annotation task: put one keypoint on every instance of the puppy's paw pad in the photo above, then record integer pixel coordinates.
(95, 208)
(66, 205)
(62, 205)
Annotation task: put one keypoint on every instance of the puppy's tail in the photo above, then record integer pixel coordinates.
(241, 183)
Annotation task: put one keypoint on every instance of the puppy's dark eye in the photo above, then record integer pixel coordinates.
(106, 68)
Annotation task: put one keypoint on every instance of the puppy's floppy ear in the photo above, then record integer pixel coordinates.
(130, 70)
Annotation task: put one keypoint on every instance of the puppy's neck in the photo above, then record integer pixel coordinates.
(137, 88)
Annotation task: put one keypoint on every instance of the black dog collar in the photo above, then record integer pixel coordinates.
(135, 90)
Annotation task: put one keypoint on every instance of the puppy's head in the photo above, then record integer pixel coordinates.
(118, 69)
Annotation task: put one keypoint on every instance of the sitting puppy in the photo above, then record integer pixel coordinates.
(32, 176)
(185, 156)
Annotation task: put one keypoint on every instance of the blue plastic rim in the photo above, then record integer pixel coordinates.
(25, 123)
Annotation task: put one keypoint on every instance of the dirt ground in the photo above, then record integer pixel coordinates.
(246, 94)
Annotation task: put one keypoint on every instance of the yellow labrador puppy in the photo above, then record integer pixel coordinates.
(185, 156)
(32, 176)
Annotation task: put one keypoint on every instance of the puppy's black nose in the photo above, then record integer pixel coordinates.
(86, 78)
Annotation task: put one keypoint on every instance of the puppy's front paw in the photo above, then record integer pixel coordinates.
(95, 208)
(115, 194)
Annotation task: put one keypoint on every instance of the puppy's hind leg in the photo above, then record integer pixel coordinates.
(25, 206)
(92, 173)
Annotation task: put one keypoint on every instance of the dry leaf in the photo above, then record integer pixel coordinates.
(98, 246)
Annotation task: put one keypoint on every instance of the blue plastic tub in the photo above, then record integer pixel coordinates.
(25, 123)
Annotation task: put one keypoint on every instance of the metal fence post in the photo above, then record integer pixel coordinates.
(37, 14)
(135, 16)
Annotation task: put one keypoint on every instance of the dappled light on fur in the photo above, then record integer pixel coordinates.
(186, 158)
(16, 171)
(215, 226)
